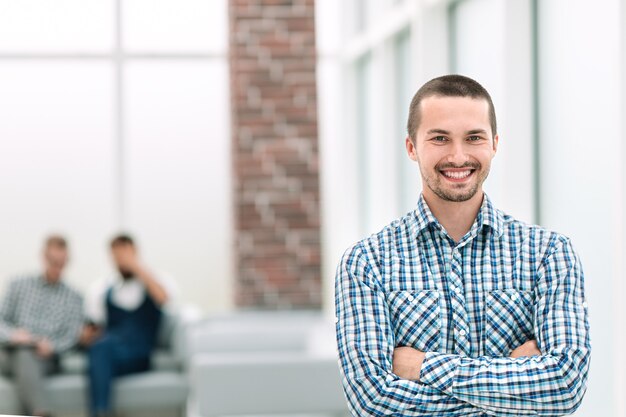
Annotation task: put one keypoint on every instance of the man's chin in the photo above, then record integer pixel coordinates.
(456, 196)
(126, 274)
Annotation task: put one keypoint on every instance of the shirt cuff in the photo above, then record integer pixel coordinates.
(438, 370)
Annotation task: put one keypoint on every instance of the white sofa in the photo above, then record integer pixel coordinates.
(264, 364)
(164, 388)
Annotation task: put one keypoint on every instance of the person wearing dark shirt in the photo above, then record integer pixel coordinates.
(124, 315)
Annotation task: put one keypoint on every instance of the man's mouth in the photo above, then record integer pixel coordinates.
(457, 174)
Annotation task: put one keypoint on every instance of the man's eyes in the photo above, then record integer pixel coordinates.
(473, 138)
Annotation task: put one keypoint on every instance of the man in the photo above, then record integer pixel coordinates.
(457, 309)
(40, 318)
(125, 315)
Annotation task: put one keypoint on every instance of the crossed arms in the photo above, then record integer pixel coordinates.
(407, 361)
(549, 384)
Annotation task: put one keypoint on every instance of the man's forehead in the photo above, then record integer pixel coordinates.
(455, 109)
(454, 102)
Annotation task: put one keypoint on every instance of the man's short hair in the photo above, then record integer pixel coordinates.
(452, 85)
(55, 241)
(121, 240)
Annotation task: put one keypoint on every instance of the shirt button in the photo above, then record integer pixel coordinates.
(410, 298)
(462, 332)
(513, 296)
(585, 305)
(336, 319)
(457, 290)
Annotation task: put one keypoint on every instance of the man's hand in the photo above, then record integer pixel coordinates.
(407, 362)
(22, 337)
(89, 334)
(529, 348)
(44, 348)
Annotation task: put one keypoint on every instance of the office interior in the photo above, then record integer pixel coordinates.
(120, 115)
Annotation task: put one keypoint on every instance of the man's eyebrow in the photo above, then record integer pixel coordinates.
(442, 131)
(476, 131)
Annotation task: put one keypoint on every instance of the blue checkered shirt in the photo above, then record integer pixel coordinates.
(467, 305)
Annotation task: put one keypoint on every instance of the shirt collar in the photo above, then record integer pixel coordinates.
(488, 215)
(423, 216)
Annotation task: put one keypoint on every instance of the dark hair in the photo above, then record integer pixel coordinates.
(56, 241)
(121, 240)
(448, 86)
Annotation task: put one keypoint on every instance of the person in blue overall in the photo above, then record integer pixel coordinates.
(124, 315)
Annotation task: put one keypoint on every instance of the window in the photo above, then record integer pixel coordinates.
(118, 119)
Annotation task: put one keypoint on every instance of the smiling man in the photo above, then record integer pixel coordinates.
(457, 309)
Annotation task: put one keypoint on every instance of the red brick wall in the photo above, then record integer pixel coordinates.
(275, 152)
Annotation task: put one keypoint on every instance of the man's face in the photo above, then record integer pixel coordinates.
(55, 259)
(453, 147)
(123, 257)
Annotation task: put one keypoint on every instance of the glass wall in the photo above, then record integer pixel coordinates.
(115, 117)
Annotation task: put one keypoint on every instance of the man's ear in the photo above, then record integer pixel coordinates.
(410, 148)
(496, 139)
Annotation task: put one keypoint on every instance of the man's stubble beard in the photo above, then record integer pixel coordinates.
(435, 184)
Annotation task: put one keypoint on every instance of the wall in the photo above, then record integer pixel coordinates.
(275, 144)
(582, 188)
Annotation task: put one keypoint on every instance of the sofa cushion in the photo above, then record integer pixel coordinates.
(162, 360)
(146, 390)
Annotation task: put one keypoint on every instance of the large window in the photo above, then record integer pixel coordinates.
(409, 181)
(115, 117)
(379, 63)
(491, 41)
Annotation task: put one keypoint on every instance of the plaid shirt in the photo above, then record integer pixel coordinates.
(54, 311)
(468, 305)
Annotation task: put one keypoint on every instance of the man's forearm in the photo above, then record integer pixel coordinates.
(156, 291)
(407, 361)
(540, 385)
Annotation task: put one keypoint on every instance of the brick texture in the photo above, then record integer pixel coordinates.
(275, 153)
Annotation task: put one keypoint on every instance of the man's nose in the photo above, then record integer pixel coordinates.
(458, 154)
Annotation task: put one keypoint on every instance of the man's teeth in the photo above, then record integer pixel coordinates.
(457, 174)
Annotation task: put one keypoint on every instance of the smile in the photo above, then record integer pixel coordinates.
(457, 175)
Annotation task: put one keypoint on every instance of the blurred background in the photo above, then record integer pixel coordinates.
(246, 144)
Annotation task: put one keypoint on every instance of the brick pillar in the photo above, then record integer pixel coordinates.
(275, 153)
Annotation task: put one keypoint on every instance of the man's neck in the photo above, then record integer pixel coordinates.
(48, 280)
(456, 218)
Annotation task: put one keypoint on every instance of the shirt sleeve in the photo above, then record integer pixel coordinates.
(548, 385)
(366, 341)
(7, 310)
(68, 335)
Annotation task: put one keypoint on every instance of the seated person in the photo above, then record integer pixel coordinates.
(124, 315)
(40, 318)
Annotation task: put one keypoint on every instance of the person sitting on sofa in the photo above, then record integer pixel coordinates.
(40, 318)
(124, 314)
